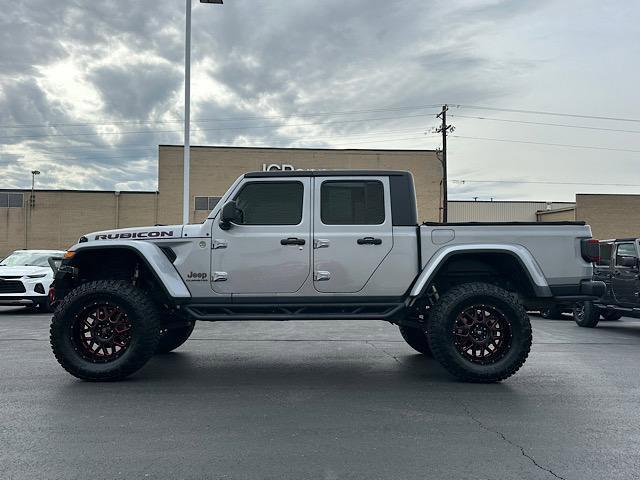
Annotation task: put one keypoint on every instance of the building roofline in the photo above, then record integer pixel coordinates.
(224, 147)
(555, 210)
(509, 201)
(50, 190)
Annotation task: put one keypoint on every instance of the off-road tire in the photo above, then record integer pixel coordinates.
(586, 314)
(416, 338)
(440, 332)
(552, 313)
(172, 338)
(140, 311)
(611, 315)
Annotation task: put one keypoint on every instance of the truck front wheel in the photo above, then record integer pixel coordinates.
(416, 338)
(479, 332)
(105, 330)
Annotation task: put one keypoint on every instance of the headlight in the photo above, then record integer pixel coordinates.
(42, 275)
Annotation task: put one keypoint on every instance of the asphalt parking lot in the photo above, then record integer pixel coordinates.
(327, 400)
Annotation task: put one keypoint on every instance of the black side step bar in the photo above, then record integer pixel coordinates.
(313, 311)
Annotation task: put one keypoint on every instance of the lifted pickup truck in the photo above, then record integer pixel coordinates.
(617, 266)
(318, 245)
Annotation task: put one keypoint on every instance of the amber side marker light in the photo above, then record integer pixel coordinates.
(69, 254)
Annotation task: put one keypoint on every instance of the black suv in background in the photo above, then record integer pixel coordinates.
(618, 267)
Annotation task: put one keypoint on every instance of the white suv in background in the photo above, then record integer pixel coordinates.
(25, 278)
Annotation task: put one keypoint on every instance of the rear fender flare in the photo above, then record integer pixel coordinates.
(521, 254)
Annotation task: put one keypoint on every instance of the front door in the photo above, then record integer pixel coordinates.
(625, 278)
(353, 231)
(269, 251)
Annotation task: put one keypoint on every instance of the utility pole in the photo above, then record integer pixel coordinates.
(444, 128)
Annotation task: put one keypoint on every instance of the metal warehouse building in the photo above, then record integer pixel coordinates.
(57, 218)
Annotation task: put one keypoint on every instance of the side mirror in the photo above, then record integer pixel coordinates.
(628, 262)
(230, 214)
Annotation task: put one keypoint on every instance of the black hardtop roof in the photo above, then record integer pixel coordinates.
(611, 240)
(328, 173)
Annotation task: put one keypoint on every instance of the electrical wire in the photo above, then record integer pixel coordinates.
(542, 182)
(548, 144)
(540, 112)
(545, 124)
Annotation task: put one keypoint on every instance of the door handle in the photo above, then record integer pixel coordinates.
(292, 241)
(369, 241)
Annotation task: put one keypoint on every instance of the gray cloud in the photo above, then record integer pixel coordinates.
(279, 61)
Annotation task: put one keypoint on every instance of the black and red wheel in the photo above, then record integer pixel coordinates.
(104, 330)
(479, 332)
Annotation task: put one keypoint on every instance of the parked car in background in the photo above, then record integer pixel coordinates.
(618, 267)
(25, 278)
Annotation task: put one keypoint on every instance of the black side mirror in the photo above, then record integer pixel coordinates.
(230, 214)
(628, 262)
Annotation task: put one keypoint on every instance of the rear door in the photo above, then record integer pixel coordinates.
(352, 231)
(625, 278)
(270, 250)
(603, 269)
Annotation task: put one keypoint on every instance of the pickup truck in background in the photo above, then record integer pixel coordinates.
(318, 245)
(618, 268)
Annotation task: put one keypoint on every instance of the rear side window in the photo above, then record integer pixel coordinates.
(271, 203)
(605, 254)
(352, 202)
(625, 250)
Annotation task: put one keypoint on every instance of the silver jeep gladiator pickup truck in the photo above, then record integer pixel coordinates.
(318, 245)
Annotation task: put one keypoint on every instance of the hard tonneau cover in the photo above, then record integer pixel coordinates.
(463, 224)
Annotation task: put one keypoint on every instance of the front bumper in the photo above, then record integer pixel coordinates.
(14, 300)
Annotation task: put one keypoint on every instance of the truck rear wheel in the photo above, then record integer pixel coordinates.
(416, 338)
(479, 332)
(172, 338)
(586, 314)
(104, 330)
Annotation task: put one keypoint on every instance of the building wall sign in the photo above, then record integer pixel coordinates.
(277, 167)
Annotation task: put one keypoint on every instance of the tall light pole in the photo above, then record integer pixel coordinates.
(32, 200)
(187, 110)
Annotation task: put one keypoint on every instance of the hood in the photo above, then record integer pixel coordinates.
(157, 232)
(21, 271)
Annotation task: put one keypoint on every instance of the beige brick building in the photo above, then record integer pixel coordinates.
(59, 217)
(610, 215)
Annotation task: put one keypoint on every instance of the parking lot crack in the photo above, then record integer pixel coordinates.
(510, 442)
(383, 351)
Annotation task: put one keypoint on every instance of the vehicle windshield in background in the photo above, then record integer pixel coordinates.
(21, 259)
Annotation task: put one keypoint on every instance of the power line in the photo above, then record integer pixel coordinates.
(549, 144)
(547, 124)
(228, 119)
(540, 112)
(541, 182)
(154, 132)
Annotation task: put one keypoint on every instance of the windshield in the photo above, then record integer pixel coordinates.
(20, 259)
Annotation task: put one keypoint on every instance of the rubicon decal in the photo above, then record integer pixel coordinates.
(125, 235)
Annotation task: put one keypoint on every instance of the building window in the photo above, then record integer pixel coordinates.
(11, 200)
(271, 203)
(352, 202)
(206, 203)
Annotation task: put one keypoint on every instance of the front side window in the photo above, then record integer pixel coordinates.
(271, 203)
(625, 250)
(348, 202)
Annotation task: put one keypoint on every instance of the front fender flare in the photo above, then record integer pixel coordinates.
(524, 257)
(157, 262)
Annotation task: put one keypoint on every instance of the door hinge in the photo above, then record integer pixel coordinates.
(321, 243)
(217, 243)
(220, 276)
(321, 276)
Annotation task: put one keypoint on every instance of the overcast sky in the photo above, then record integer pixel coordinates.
(88, 89)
